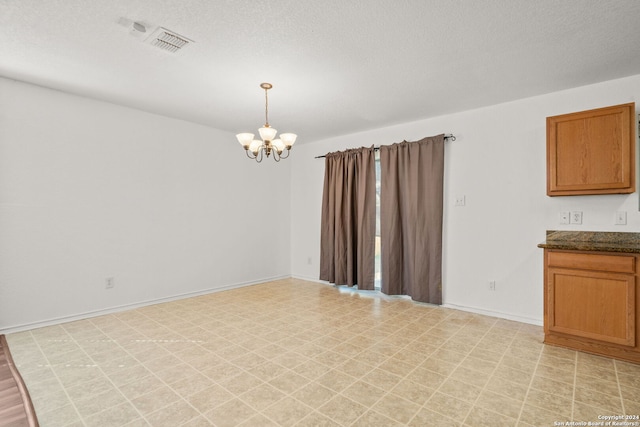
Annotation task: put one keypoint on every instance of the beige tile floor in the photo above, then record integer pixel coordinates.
(296, 353)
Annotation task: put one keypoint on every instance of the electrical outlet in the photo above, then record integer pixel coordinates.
(492, 285)
(576, 217)
(564, 217)
(460, 200)
(109, 283)
(621, 218)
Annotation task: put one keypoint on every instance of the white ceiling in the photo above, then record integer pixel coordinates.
(337, 66)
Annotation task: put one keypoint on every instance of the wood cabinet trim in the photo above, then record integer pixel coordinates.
(592, 261)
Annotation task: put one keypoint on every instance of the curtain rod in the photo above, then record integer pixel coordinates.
(449, 136)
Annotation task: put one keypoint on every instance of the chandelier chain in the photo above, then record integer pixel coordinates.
(266, 107)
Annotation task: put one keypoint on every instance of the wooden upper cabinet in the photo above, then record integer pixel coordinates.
(592, 152)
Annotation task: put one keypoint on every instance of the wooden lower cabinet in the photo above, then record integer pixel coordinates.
(591, 302)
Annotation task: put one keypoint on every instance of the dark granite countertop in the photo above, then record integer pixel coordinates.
(594, 241)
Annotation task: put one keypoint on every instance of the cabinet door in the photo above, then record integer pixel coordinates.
(592, 152)
(594, 305)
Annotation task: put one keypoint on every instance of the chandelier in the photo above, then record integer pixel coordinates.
(257, 149)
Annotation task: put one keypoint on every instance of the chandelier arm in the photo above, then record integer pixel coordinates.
(260, 155)
(288, 152)
(276, 156)
(249, 155)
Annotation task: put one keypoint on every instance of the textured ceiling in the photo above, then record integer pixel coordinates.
(337, 66)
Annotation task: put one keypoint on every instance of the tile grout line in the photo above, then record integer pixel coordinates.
(490, 376)
(424, 406)
(533, 377)
(615, 366)
(406, 376)
(288, 394)
(261, 412)
(53, 371)
(113, 340)
(163, 381)
(376, 366)
(341, 393)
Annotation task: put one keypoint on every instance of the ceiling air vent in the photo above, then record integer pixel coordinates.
(167, 40)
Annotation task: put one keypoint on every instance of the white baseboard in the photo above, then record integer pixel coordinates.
(311, 279)
(492, 313)
(120, 308)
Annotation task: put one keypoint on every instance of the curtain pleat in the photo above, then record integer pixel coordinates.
(411, 196)
(347, 242)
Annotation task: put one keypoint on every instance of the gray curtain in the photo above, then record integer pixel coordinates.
(348, 227)
(412, 175)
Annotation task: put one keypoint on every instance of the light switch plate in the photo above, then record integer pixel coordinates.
(564, 217)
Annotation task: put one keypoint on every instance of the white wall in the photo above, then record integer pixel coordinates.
(498, 163)
(90, 190)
